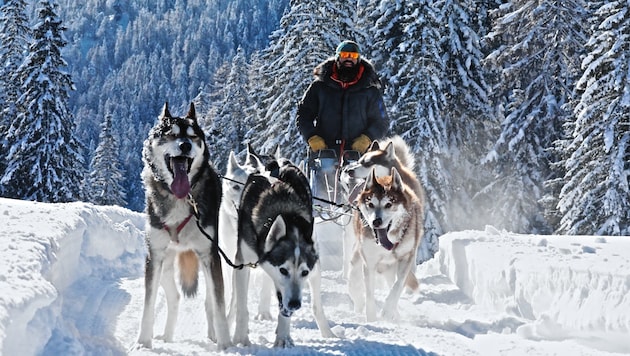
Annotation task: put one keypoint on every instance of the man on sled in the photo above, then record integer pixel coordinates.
(340, 114)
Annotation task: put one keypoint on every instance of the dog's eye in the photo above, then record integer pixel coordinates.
(388, 205)
(236, 187)
(190, 132)
(304, 273)
(371, 205)
(284, 271)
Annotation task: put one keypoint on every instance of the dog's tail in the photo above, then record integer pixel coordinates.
(188, 272)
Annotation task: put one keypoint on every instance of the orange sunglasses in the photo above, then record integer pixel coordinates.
(353, 55)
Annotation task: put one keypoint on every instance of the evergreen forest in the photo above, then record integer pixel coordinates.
(517, 112)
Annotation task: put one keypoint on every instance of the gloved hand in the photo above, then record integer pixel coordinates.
(316, 143)
(361, 143)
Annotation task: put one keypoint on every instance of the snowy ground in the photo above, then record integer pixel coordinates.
(72, 282)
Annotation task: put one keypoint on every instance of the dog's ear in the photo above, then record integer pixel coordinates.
(250, 149)
(278, 229)
(369, 181)
(191, 112)
(252, 159)
(277, 154)
(397, 182)
(391, 153)
(232, 162)
(165, 112)
(374, 146)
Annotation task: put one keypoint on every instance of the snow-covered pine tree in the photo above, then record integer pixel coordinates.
(235, 113)
(595, 198)
(104, 180)
(539, 60)
(44, 162)
(469, 121)
(15, 35)
(418, 98)
(385, 33)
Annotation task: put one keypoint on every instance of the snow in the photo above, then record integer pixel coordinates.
(72, 282)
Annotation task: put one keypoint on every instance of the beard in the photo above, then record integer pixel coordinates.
(347, 73)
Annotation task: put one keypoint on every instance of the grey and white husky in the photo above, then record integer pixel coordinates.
(182, 188)
(389, 228)
(275, 232)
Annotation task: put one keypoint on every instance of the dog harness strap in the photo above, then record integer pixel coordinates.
(179, 228)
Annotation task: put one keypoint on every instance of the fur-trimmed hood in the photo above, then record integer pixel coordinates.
(324, 70)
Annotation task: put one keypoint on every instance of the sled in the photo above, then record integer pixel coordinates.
(330, 195)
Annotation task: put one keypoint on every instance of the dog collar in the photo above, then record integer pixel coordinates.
(179, 228)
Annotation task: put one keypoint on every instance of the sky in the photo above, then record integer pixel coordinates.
(72, 282)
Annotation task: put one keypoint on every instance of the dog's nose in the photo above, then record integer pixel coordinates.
(295, 304)
(377, 222)
(185, 146)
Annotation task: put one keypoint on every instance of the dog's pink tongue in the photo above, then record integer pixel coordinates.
(381, 235)
(181, 185)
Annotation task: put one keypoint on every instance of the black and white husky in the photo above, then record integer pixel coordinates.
(181, 187)
(275, 228)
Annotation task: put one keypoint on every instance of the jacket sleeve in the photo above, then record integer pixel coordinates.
(378, 120)
(307, 112)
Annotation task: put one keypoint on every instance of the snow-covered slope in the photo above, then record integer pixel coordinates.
(72, 282)
(55, 258)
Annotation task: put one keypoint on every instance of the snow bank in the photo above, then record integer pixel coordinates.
(567, 286)
(71, 276)
(48, 250)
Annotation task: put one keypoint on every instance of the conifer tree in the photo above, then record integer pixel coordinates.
(14, 41)
(538, 63)
(44, 161)
(234, 115)
(384, 25)
(104, 180)
(467, 114)
(419, 102)
(595, 197)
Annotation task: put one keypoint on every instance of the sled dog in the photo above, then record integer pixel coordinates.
(232, 186)
(275, 228)
(383, 156)
(389, 228)
(236, 175)
(181, 187)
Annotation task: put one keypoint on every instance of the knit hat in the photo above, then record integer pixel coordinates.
(347, 46)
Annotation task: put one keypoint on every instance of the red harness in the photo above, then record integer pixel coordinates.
(180, 227)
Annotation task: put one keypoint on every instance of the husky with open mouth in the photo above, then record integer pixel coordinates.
(182, 191)
(389, 229)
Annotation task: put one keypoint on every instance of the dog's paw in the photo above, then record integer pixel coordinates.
(139, 345)
(390, 314)
(165, 338)
(284, 342)
(242, 340)
(224, 345)
(263, 316)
